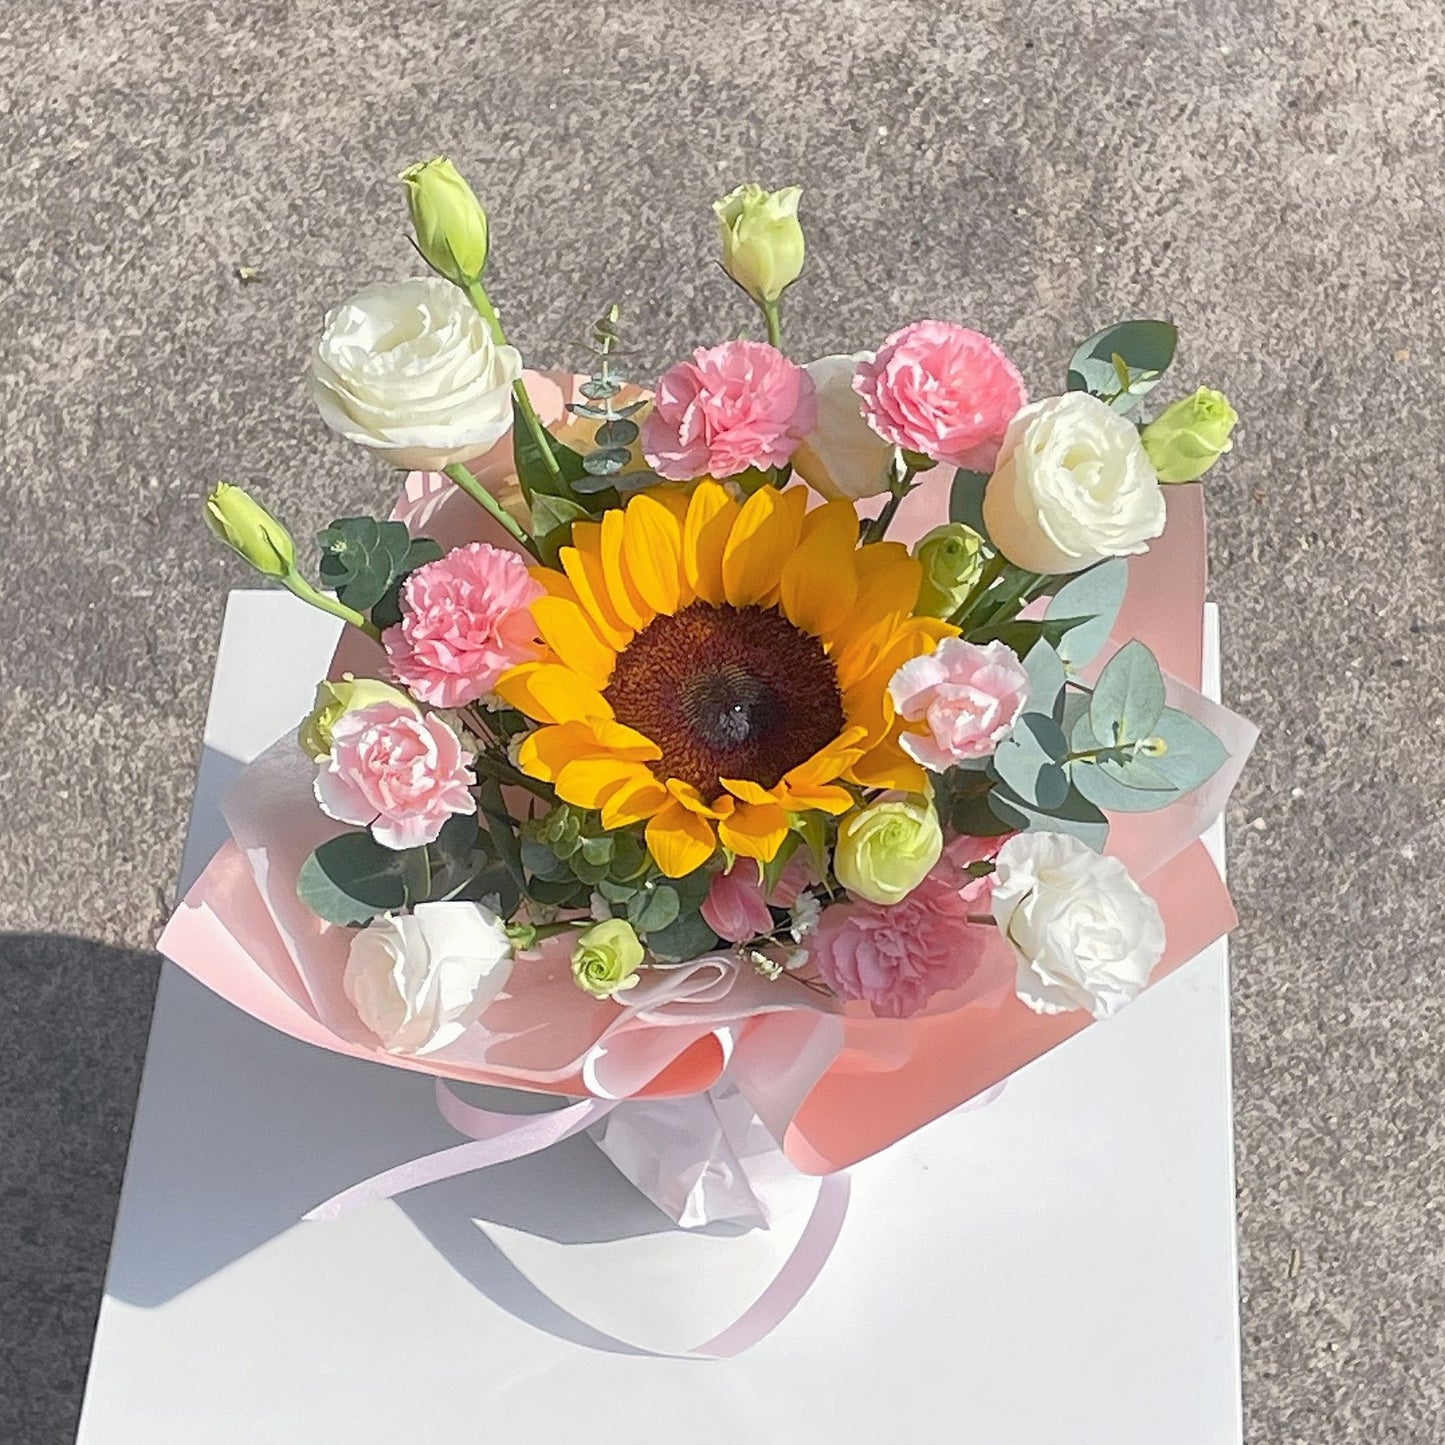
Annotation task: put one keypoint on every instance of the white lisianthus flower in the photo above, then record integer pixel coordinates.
(1085, 934)
(418, 980)
(410, 371)
(842, 457)
(1073, 485)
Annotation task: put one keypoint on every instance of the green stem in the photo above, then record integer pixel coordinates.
(992, 571)
(1012, 598)
(477, 295)
(298, 586)
(877, 529)
(774, 325)
(484, 499)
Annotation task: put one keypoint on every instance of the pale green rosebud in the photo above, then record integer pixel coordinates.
(886, 850)
(333, 701)
(246, 527)
(762, 239)
(952, 559)
(606, 958)
(1190, 436)
(450, 224)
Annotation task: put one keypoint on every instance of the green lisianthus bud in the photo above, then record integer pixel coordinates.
(952, 558)
(762, 239)
(1190, 436)
(246, 527)
(333, 701)
(606, 958)
(450, 224)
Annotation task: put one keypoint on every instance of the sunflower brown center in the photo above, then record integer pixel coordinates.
(727, 692)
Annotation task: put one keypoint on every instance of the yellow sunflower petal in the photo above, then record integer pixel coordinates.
(679, 840)
(710, 517)
(762, 540)
(755, 831)
(747, 791)
(632, 800)
(551, 693)
(886, 584)
(589, 782)
(694, 802)
(582, 563)
(828, 762)
(545, 752)
(888, 766)
(676, 497)
(819, 584)
(568, 631)
(822, 799)
(627, 601)
(652, 550)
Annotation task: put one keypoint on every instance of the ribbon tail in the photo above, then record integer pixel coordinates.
(797, 1276)
(496, 1139)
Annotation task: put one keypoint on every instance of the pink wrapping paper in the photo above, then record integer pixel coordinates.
(832, 1084)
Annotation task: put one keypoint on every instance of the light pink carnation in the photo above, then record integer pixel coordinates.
(969, 697)
(396, 771)
(739, 405)
(464, 622)
(942, 390)
(897, 957)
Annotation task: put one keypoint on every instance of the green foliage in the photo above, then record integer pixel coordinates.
(1128, 697)
(1075, 814)
(1046, 680)
(1124, 362)
(533, 473)
(1095, 597)
(1022, 636)
(352, 878)
(1030, 762)
(552, 519)
(364, 561)
(965, 501)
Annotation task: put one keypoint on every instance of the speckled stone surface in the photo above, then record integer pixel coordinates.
(1266, 172)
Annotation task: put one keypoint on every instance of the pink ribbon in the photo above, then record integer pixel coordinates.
(499, 1138)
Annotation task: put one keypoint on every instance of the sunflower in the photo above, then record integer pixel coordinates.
(713, 667)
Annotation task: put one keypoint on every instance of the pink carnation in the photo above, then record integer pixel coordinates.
(942, 390)
(396, 771)
(464, 622)
(969, 697)
(739, 405)
(897, 957)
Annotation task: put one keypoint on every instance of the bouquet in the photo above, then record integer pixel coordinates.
(818, 742)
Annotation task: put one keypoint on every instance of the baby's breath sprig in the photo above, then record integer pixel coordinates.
(616, 431)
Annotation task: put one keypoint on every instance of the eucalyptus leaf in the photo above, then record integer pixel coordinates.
(617, 433)
(1076, 815)
(652, 908)
(964, 803)
(1190, 754)
(1145, 347)
(687, 936)
(1095, 596)
(352, 878)
(607, 461)
(1123, 785)
(1128, 697)
(386, 611)
(1046, 679)
(965, 501)
(1029, 761)
(541, 862)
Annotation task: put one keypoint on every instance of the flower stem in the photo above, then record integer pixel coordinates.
(773, 323)
(477, 295)
(298, 586)
(992, 571)
(484, 499)
(510, 777)
(877, 529)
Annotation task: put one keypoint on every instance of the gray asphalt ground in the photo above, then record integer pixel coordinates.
(1266, 172)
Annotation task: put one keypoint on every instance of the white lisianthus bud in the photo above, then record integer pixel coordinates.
(1085, 934)
(1073, 485)
(450, 224)
(410, 371)
(418, 980)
